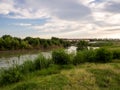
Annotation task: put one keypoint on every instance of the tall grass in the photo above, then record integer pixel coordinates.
(106, 79)
(26, 86)
(41, 62)
(27, 67)
(16, 73)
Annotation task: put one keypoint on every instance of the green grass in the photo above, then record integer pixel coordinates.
(87, 76)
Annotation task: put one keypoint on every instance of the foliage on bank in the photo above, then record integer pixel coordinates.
(8, 42)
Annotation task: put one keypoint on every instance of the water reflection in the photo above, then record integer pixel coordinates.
(7, 62)
(19, 59)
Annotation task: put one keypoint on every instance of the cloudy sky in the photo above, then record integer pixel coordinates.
(60, 18)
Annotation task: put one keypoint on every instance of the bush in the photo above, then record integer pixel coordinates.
(79, 58)
(61, 57)
(27, 66)
(10, 75)
(82, 45)
(103, 55)
(41, 62)
(90, 55)
(116, 54)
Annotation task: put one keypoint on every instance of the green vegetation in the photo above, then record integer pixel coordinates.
(97, 69)
(60, 57)
(106, 79)
(17, 72)
(87, 76)
(105, 43)
(46, 66)
(79, 58)
(116, 54)
(11, 75)
(103, 55)
(82, 45)
(8, 42)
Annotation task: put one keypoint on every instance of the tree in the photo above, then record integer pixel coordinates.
(82, 45)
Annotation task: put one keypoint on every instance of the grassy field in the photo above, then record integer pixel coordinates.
(87, 76)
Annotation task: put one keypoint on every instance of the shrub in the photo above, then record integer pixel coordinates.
(10, 75)
(90, 55)
(116, 54)
(79, 58)
(103, 55)
(61, 57)
(41, 62)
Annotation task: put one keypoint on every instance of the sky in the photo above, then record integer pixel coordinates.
(60, 18)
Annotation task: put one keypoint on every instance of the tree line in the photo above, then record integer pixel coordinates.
(8, 42)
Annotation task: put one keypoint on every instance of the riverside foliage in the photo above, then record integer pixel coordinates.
(8, 42)
(60, 59)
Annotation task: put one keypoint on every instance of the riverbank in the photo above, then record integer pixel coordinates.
(87, 76)
(99, 69)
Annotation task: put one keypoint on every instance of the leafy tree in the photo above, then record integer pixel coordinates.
(82, 45)
(8, 42)
(23, 45)
(45, 44)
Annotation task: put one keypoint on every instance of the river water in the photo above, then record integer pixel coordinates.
(9, 61)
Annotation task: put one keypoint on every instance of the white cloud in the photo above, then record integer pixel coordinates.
(68, 18)
(23, 24)
(63, 9)
(58, 26)
(9, 9)
(5, 8)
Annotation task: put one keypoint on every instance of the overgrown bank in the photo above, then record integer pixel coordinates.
(8, 42)
(88, 76)
(40, 67)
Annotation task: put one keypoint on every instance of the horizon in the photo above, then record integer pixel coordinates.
(71, 19)
(65, 38)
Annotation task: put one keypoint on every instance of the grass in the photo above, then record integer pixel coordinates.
(87, 76)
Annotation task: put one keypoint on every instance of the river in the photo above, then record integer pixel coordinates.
(6, 61)
(19, 59)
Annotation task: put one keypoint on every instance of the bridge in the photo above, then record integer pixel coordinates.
(75, 40)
